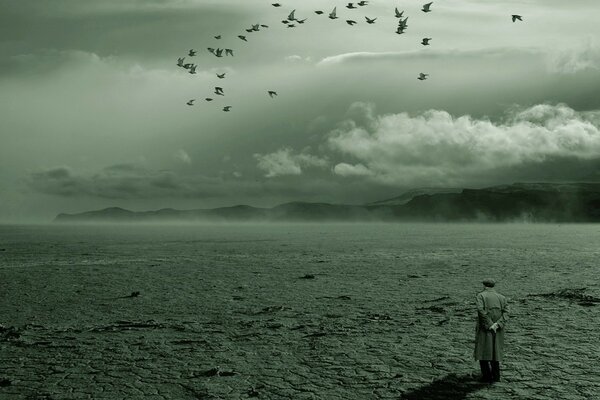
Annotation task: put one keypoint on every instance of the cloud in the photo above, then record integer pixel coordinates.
(364, 56)
(119, 181)
(435, 147)
(184, 157)
(284, 162)
(575, 59)
(347, 170)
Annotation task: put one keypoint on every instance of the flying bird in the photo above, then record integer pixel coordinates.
(291, 25)
(256, 27)
(362, 3)
(229, 52)
(301, 21)
(226, 108)
(187, 65)
(264, 26)
(427, 7)
(350, 22)
(318, 12)
(219, 52)
(249, 30)
(193, 69)
(208, 99)
(242, 37)
(221, 76)
(517, 17)
(192, 53)
(180, 61)
(425, 41)
(292, 17)
(218, 37)
(276, 5)
(422, 76)
(332, 14)
(272, 93)
(210, 49)
(398, 13)
(370, 21)
(350, 6)
(285, 21)
(219, 91)
(190, 102)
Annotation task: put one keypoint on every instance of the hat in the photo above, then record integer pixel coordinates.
(489, 282)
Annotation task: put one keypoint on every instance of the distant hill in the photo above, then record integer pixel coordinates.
(409, 195)
(533, 202)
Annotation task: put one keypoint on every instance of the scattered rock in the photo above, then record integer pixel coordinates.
(577, 294)
(216, 372)
(307, 276)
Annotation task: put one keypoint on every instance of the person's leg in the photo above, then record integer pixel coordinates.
(486, 372)
(495, 371)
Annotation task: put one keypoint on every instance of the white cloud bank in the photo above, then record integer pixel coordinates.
(438, 148)
(284, 162)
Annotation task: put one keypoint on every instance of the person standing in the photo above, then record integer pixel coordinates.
(492, 315)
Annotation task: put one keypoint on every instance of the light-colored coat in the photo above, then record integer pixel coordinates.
(491, 307)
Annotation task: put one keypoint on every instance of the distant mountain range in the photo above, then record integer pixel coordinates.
(533, 202)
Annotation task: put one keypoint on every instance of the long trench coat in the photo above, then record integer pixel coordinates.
(491, 307)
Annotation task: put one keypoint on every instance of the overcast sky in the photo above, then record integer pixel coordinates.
(93, 106)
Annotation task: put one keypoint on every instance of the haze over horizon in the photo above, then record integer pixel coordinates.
(93, 113)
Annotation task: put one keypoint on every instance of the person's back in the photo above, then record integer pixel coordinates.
(492, 312)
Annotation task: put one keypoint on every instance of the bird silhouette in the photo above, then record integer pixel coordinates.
(370, 21)
(243, 38)
(219, 52)
(218, 37)
(427, 7)
(292, 16)
(249, 30)
(362, 3)
(350, 22)
(219, 91)
(211, 50)
(192, 53)
(285, 21)
(256, 27)
(422, 76)
(333, 14)
(190, 102)
(291, 25)
(264, 26)
(425, 41)
(301, 21)
(227, 108)
(229, 52)
(187, 65)
(276, 5)
(318, 12)
(221, 76)
(193, 69)
(180, 61)
(272, 93)
(208, 99)
(350, 6)
(517, 17)
(398, 13)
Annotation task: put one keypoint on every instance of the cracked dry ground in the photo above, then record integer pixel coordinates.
(302, 313)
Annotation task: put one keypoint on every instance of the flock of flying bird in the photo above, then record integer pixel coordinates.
(292, 21)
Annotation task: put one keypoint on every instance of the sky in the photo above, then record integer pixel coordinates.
(93, 107)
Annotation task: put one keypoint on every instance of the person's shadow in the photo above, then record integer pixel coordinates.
(450, 387)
